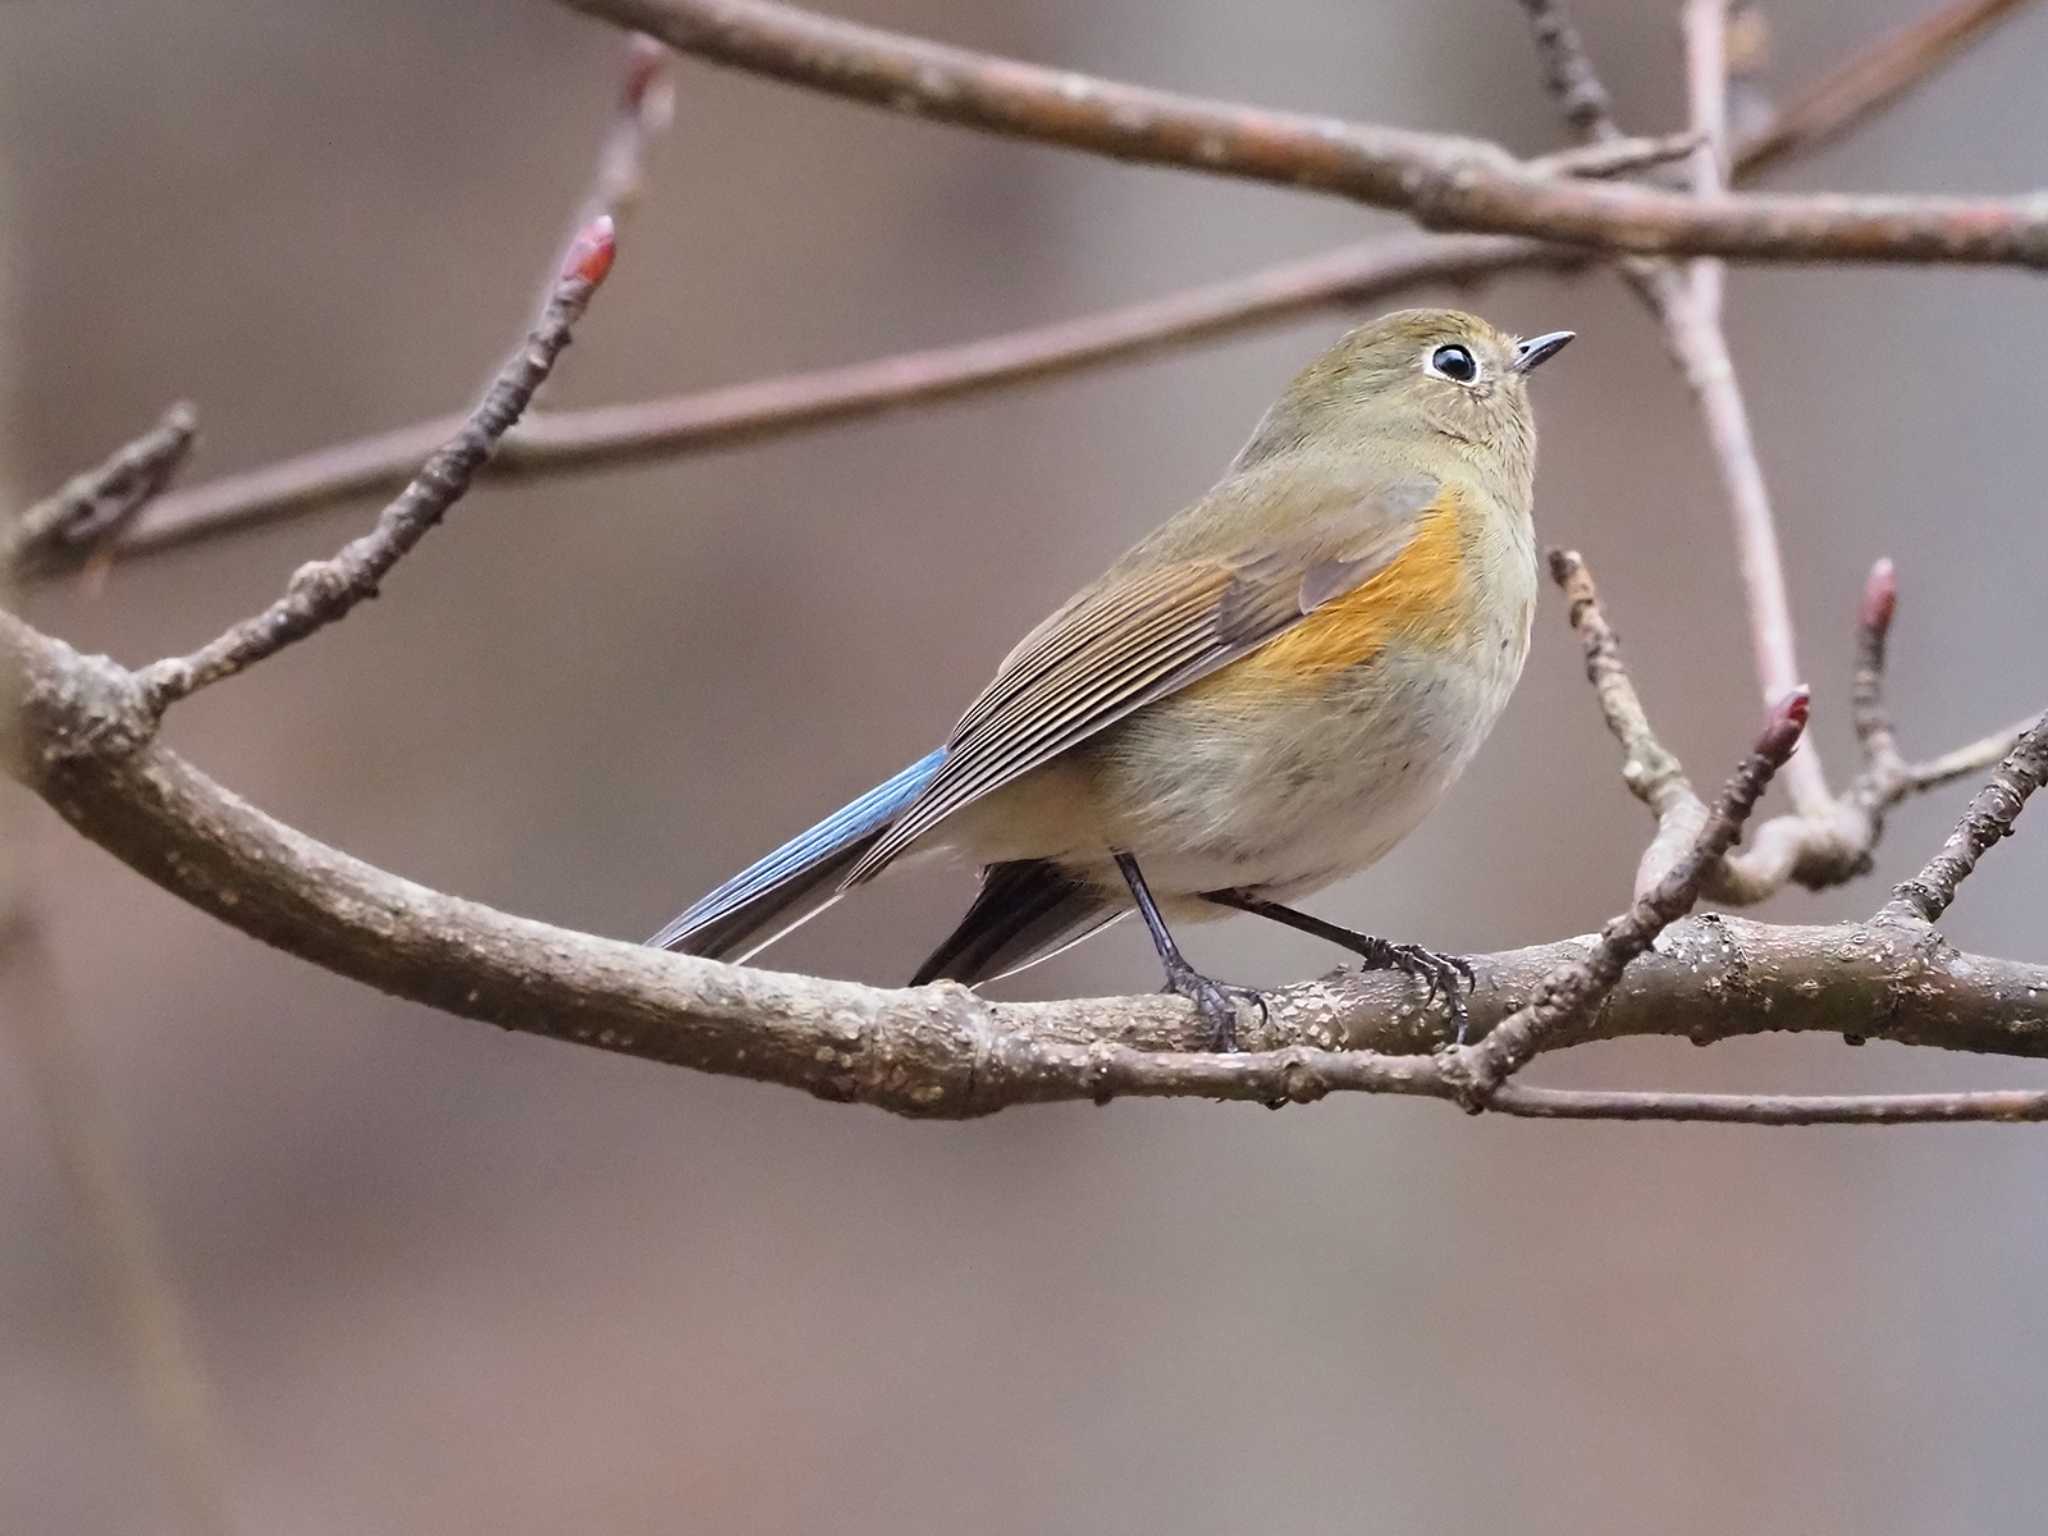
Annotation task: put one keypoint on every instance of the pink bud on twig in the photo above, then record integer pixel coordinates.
(1785, 724)
(591, 252)
(1880, 597)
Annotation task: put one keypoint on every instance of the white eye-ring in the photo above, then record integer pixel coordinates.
(1454, 362)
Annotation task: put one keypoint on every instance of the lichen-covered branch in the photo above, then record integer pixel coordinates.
(84, 731)
(86, 744)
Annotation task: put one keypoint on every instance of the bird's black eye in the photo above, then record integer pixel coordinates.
(1454, 363)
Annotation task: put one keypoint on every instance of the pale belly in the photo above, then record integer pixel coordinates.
(1280, 793)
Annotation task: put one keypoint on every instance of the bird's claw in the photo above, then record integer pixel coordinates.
(1216, 1002)
(1447, 976)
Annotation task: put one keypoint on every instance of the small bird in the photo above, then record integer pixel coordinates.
(1265, 694)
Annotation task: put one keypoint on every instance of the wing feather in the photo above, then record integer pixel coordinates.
(1147, 631)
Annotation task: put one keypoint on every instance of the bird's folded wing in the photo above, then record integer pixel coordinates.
(1146, 633)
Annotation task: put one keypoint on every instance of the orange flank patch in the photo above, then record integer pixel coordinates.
(1420, 596)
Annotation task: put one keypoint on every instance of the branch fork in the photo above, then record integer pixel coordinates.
(85, 736)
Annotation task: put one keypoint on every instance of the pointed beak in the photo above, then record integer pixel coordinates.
(1539, 349)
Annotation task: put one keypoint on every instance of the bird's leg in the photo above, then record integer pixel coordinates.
(1448, 974)
(1215, 1001)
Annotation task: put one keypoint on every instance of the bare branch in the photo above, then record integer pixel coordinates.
(1868, 712)
(1705, 24)
(1816, 852)
(1569, 73)
(1873, 79)
(1990, 817)
(86, 745)
(1443, 181)
(86, 728)
(1616, 156)
(580, 440)
(1830, 840)
(1576, 989)
(646, 106)
(1999, 1106)
(1700, 347)
(99, 505)
(1886, 777)
(1960, 763)
(570, 441)
(323, 592)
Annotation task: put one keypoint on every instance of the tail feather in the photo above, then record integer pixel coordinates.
(1026, 911)
(797, 879)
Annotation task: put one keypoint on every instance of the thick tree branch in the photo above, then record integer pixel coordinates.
(1443, 181)
(85, 730)
(86, 745)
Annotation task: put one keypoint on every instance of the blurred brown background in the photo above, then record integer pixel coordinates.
(445, 1278)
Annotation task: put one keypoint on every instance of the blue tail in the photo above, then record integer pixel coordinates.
(801, 874)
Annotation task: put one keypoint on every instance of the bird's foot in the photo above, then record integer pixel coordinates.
(1216, 1002)
(1447, 975)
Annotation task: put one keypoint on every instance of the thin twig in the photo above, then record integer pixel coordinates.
(1828, 840)
(571, 441)
(574, 441)
(1815, 853)
(1569, 73)
(1874, 78)
(1990, 817)
(1886, 777)
(97, 506)
(2011, 1106)
(646, 107)
(1617, 156)
(323, 592)
(1961, 762)
(1441, 180)
(1868, 711)
(1575, 990)
(1688, 309)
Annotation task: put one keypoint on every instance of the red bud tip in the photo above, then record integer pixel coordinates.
(1785, 724)
(645, 59)
(1880, 597)
(591, 252)
(1793, 708)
